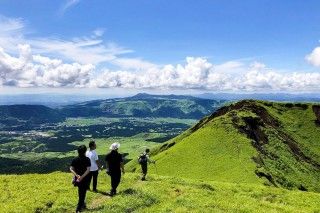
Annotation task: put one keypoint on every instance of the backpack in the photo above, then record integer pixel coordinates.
(143, 159)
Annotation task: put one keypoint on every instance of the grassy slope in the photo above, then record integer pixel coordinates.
(219, 151)
(54, 193)
(301, 126)
(214, 152)
(291, 169)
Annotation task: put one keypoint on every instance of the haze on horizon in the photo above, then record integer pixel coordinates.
(162, 47)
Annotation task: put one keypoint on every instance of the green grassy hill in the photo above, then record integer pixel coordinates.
(242, 158)
(248, 142)
(54, 193)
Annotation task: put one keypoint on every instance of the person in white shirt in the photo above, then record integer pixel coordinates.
(94, 168)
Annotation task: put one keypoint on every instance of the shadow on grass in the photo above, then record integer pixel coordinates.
(103, 193)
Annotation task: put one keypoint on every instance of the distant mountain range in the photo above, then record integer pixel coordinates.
(25, 116)
(55, 100)
(140, 105)
(49, 100)
(144, 105)
(303, 97)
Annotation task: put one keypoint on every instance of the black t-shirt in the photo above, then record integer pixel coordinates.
(80, 164)
(114, 160)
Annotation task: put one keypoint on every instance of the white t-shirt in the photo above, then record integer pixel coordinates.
(92, 155)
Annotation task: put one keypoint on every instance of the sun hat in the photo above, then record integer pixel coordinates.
(115, 146)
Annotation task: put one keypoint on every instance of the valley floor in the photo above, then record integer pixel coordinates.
(54, 193)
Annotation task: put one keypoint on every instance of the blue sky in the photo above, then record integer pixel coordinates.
(266, 45)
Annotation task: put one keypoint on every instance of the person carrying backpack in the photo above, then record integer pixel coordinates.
(80, 168)
(143, 160)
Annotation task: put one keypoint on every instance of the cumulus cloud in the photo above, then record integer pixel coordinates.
(73, 62)
(35, 70)
(198, 73)
(314, 57)
(29, 70)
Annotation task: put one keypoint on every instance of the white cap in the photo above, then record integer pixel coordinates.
(115, 146)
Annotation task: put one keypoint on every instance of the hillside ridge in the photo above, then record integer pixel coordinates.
(280, 139)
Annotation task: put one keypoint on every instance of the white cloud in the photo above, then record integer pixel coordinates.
(68, 4)
(10, 25)
(314, 57)
(82, 50)
(133, 64)
(11, 33)
(29, 70)
(230, 67)
(73, 62)
(98, 32)
(111, 79)
(198, 73)
(35, 70)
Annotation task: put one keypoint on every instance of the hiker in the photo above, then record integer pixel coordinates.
(94, 168)
(143, 160)
(80, 168)
(114, 165)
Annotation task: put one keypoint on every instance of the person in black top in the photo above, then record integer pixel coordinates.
(80, 168)
(114, 165)
(143, 160)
